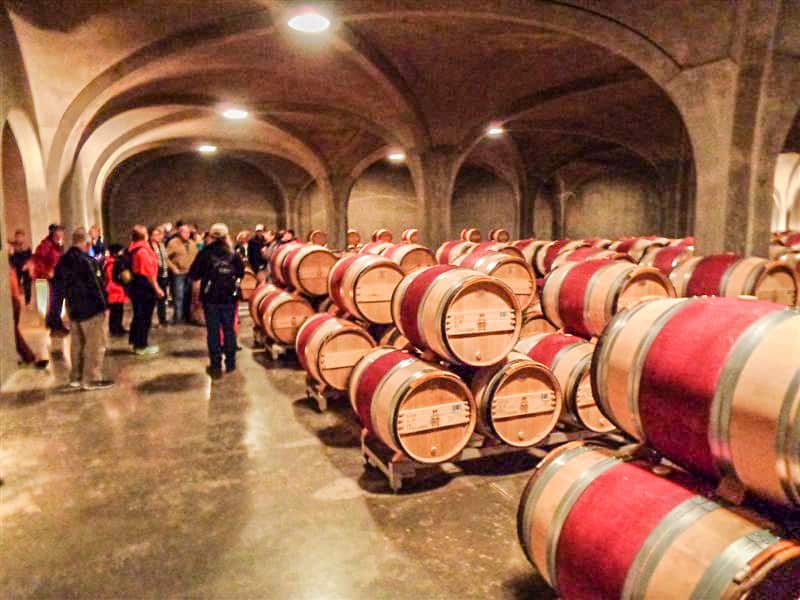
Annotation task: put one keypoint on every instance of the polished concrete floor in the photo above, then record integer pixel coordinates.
(169, 486)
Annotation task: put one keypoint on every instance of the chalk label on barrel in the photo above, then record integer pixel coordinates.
(438, 416)
(517, 405)
(469, 322)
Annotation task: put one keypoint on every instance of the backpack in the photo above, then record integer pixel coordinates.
(122, 272)
(222, 283)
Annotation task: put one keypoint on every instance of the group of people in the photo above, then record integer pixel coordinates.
(90, 280)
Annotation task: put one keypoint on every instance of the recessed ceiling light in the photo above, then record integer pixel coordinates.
(495, 131)
(396, 156)
(235, 114)
(309, 21)
(207, 149)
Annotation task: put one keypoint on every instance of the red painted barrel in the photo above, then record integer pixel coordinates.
(709, 383)
(666, 258)
(452, 249)
(599, 528)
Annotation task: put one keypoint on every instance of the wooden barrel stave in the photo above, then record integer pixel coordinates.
(363, 285)
(451, 250)
(410, 256)
(307, 269)
(511, 270)
(281, 314)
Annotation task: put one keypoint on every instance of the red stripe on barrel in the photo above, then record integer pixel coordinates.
(665, 258)
(573, 292)
(475, 255)
(287, 263)
(336, 279)
(548, 347)
(409, 305)
(681, 373)
(552, 251)
(707, 275)
(610, 519)
(305, 334)
(448, 247)
(368, 383)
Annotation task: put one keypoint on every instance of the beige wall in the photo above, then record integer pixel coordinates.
(15, 193)
(194, 189)
(311, 210)
(613, 206)
(482, 200)
(382, 197)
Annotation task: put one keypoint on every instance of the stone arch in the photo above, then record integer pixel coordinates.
(27, 142)
(16, 203)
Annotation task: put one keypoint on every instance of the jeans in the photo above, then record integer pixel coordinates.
(116, 311)
(88, 349)
(179, 284)
(54, 307)
(221, 316)
(161, 303)
(144, 302)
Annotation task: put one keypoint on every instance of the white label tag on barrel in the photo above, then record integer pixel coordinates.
(584, 397)
(375, 293)
(476, 321)
(518, 405)
(439, 416)
(341, 360)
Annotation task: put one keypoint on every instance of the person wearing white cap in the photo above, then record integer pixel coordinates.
(219, 270)
(254, 248)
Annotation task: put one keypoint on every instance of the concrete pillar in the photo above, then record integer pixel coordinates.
(529, 190)
(340, 187)
(434, 174)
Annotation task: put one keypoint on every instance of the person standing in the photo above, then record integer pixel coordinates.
(219, 270)
(181, 252)
(97, 248)
(143, 290)
(20, 255)
(23, 350)
(157, 244)
(254, 247)
(116, 294)
(79, 280)
(43, 265)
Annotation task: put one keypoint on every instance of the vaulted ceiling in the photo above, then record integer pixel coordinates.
(112, 79)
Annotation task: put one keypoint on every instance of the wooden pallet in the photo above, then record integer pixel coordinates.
(397, 467)
(272, 349)
(322, 394)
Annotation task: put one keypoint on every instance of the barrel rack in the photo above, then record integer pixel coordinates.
(398, 468)
(321, 393)
(272, 349)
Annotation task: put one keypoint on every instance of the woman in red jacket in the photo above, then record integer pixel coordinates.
(144, 290)
(116, 294)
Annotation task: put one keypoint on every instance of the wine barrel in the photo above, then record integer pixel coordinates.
(529, 249)
(353, 238)
(687, 242)
(585, 253)
(363, 284)
(410, 256)
(256, 298)
(637, 246)
(317, 237)
(471, 235)
(281, 314)
(412, 406)
(731, 275)
(248, 284)
(451, 250)
(411, 236)
(597, 527)
(712, 384)
(328, 348)
(597, 242)
(499, 235)
(276, 271)
(533, 322)
(511, 270)
(518, 401)
(546, 256)
(666, 258)
(306, 269)
(570, 359)
(382, 235)
(498, 247)
(377, 248)
(461, 315)
(582, 297)
(392, 337)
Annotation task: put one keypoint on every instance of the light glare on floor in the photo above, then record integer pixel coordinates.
(207, 149)
(309, 21)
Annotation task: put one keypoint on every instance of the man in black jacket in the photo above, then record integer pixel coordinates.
(254, 247)
(79, 280)
(219, 270)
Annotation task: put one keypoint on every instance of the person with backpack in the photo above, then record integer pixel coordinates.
(143, 290)
(78, 279)
(116, 292)
(219, 270)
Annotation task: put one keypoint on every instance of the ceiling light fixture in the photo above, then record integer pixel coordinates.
(207, 149)
(396, 156)
(495, 131)
(309, 21)
(235, 114)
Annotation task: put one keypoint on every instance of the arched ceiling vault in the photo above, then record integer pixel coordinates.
(112, 78)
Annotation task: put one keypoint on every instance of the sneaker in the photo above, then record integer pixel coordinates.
(229, 369)
(74, 385)
(214, 372)
(103, 384)
(148, 351)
